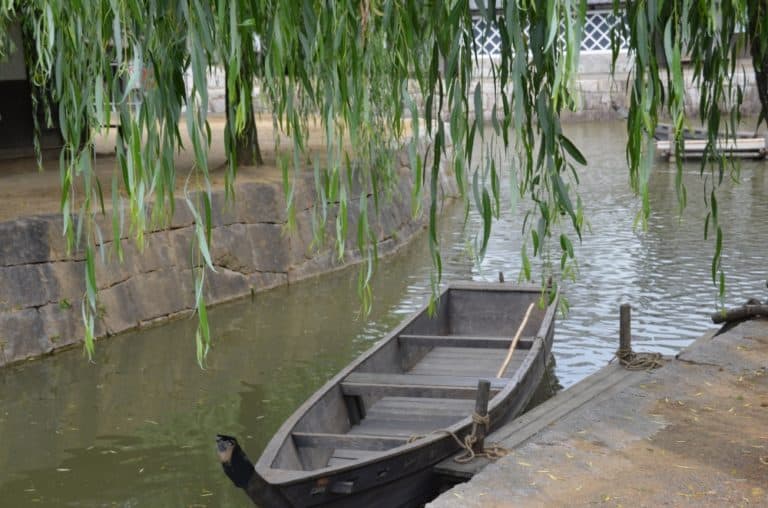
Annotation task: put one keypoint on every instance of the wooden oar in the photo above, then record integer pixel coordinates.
(514, 341)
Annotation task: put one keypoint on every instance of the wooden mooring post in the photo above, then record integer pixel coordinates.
(625, 328)
(480, 418)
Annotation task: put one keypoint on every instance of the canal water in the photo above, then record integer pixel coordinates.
(136, 427)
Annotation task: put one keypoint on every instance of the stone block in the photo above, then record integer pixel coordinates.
(181, 242)
(271, 249)
(223, 210)
(260, 202)
(63, 324)
(22, 335)
(323, 261)
(303, 192)
(300, 240)
(103, 223)
(389, 246)
(224, 285)
(231, 249)
(64, 281)
(109, 270)
(186, 288)
(160, 295)
(182, 215)
(261, 281)
(248, 248)
(121, 311)
(353, 221)
(24, 241)
(21, 286)
(144, 297)
(157, 218)
(156, 254)
(390, 219)
(57, 242)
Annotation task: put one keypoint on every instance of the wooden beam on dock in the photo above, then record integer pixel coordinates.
(510, 435)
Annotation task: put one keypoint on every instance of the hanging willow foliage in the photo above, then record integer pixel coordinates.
(359, 67)
(712, 36)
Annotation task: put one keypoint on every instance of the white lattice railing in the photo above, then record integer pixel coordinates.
(487, 40)
(596, 36)
(597, 31)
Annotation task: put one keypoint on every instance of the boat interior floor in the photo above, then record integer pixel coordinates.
(435, 393)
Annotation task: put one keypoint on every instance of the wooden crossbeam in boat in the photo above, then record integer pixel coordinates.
(409, 385)
(346, 441)
(467, 341)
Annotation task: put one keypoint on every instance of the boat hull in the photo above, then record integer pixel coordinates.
(402, 476)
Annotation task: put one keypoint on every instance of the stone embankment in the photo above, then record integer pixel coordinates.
(42, 287)
(599, 95)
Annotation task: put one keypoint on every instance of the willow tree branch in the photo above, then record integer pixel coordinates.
(739, 313)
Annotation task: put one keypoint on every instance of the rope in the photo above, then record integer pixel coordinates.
(638, 361)
(492, 451)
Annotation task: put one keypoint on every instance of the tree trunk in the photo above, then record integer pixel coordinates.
(246, 143)
(761, 78)
(759, 51)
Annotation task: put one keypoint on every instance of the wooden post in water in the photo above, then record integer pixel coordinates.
(625, 328)
(479, 428)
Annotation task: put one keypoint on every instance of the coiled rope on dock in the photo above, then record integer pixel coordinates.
(628, 358)
(631, 360)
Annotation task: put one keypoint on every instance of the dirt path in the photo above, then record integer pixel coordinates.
(26, 191)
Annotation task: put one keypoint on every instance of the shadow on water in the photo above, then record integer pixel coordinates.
(548, 388)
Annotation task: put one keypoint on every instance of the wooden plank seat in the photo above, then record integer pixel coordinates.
(463, 341)
(346, 441)
(400, 428)
(391, 421)
(346, 456)
(419, 408)
(467, 362)
(412, 416)
(410, 385)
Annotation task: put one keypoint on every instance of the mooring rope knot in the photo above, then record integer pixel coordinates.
(480, 420)
(492, 451)
(638, 361)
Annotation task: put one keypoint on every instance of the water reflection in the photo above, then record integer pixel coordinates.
(136, 428)
(663, 272)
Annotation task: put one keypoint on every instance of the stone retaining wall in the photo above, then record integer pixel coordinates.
(41, 287)
(601, 96)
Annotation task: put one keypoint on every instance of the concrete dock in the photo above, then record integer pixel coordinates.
(693, 433)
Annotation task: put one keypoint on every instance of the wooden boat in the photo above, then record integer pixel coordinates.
(372, 434)
(740, 144)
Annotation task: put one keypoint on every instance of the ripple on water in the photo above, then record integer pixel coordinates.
(663, 271)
